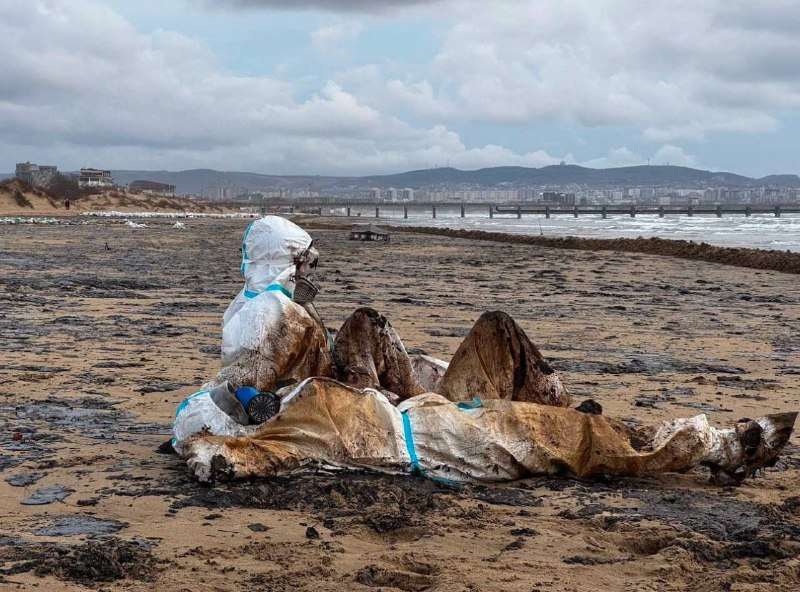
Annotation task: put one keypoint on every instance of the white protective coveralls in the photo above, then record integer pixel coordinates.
(326, 423)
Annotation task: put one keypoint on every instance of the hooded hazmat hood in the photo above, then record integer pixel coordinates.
(269, 247)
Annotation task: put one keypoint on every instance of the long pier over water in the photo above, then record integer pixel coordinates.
(348, 208)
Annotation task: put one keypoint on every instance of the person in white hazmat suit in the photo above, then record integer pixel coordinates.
(496, 412)
(273, 338)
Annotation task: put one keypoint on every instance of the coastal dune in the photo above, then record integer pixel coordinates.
(20, 199)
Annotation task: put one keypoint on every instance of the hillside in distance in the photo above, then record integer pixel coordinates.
(204, 181)
(569, 174)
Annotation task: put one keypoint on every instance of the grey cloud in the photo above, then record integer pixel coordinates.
(673, 70)
(371, 6)
(161, 100)
(678, 72)
(766, 16)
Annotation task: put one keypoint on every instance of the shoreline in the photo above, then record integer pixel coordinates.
(751, 258)
(766, 259)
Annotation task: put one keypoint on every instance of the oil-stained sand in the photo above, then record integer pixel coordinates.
(99, 343)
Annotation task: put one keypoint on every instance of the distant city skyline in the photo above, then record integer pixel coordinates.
(350, 87)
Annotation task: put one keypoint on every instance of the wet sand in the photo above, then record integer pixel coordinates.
(99, 344)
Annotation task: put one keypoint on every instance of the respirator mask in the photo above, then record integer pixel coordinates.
(258, 406)
(305, 290)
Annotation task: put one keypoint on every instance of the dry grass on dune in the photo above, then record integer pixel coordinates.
(18, 198)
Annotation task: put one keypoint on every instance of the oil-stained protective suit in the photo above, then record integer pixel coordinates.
(326, 423)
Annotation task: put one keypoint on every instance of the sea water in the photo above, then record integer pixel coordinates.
(761, 231)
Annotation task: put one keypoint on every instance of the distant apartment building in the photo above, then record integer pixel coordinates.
(375, 193)
(769, 195)
(152, 188)
(391, 194)
(554, 197)
(35, 174)
(231, 192)
(95, 178)
(407, 194)
(665, 200)
(474, 195)
(303, 193)
(646, 193)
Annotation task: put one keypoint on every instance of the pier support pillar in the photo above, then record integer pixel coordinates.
(405, 212)
(777, 211)
(747, 212)
(633, 211)
(377, 212)
(547, 211)
(660, 211)
(690, 211)
(348, 211)
(604, 213)
(519, 212)
(491, 212)
(462, 210)
(575, 211)
(434, 211)
(719, 211)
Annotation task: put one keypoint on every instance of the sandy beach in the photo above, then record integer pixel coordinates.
(104, 329)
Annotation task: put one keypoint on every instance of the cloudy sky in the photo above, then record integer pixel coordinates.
(375, 86)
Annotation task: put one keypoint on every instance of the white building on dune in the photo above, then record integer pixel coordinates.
(95, 178)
